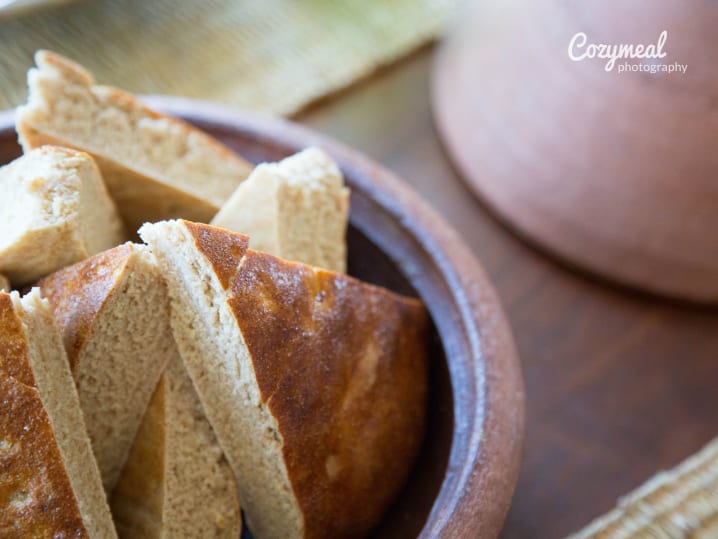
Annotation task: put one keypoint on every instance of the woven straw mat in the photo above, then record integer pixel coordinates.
(679, 504)
(273, 56)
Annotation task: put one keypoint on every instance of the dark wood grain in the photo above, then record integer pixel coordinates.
(619, 384)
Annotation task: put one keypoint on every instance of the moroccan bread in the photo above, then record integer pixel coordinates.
(54, 211)
(314, 382)
(296, 209)
(113, 314)
(155, 166)
(177, 482)
(49, 482)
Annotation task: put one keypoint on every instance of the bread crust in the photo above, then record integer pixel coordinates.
(342, 366)
(36, 497)
(97, 278)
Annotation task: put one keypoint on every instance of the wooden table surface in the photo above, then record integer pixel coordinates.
(619, 385)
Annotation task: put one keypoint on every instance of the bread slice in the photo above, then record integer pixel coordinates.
(296, 209)
(4, 284)
(54, 211)
(177, 482)
(314, 382)
(113, 312)
(49, 482)
(155, 166)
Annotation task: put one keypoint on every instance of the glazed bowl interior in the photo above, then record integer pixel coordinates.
(389, 247)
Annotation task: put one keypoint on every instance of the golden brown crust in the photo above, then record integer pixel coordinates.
(342, 366)
(225, 254)
(13, 346)
(78, 292)
(36, 497)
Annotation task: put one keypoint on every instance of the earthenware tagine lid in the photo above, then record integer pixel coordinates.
(609, 164)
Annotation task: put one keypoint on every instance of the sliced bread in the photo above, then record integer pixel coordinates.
(314, 382)
(296, 209)
(49, 482)
(54, 211)
(155, 166)
(177, 482)
(112, 311)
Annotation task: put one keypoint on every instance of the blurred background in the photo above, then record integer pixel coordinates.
(271, 56)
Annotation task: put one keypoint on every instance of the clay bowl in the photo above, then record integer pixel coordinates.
(465, 475)
(614, 172)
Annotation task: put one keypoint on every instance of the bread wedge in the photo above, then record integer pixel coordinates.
(314, 382)
(177, 482)
(4, 284)
(155, 166)
(296, 209)
(49, 482)
(54, 211)
(112, 311)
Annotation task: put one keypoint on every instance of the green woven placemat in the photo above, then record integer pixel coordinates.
(678, 504)
(269, 55)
